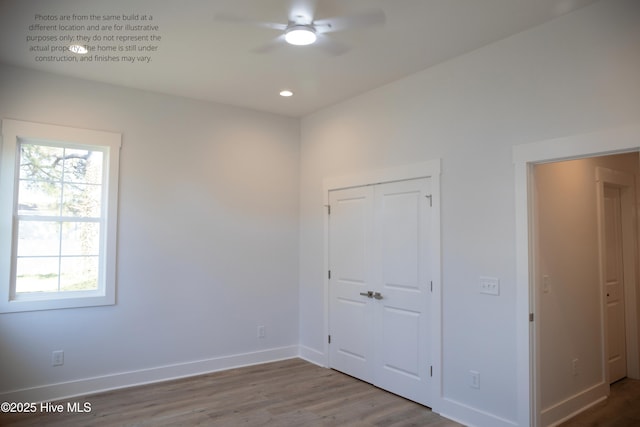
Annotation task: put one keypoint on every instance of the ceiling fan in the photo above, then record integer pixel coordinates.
(303, 29)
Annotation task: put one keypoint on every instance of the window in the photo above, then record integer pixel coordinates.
(58, 216)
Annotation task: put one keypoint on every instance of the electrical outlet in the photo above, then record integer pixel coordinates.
(474, 379)
(262, 332)
(489, 286)
(57, 358)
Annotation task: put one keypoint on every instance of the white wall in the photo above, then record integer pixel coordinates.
(576, 74)
(207, 241)
(570, 311)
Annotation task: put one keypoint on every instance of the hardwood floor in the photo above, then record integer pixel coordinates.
(287, 393)
(620, 409)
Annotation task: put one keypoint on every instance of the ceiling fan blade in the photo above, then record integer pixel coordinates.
(270, 46)
(302, 11)
(223, 17)
(349, 22)
(332, 47)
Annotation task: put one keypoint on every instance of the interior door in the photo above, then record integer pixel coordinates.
(614, 288)
(350, 240)
(402, 278)
(379, 287)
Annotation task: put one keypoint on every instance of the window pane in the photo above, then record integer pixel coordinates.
(60, 191)
(79, 274)
(41, 163)
(38, 238)
(80, 238)
(37, 274)
(81, 200)
(39, 198)
(83, 166)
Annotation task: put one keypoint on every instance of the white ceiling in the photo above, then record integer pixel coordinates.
(205, 57)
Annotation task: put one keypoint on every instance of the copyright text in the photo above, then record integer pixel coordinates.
(46, 407)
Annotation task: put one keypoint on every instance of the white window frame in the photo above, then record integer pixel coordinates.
(15, 131)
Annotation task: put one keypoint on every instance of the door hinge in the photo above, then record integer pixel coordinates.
(329, 274)
(530, 317)
(329, 339)
(431, 286)
(431, 370)
(430, 197)
(328, 209)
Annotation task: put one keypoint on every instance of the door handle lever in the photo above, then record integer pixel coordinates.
(368, 294)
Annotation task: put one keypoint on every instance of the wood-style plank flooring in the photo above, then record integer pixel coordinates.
(286, 393)
(620, 409)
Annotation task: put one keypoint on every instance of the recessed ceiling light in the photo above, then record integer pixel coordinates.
(76, 48)
(286, 93)
(300, 35)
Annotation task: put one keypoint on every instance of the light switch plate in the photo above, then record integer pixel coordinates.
(489, 285)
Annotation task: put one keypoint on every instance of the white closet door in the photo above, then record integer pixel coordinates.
(350, 318)
(402, 278)
(379, 286)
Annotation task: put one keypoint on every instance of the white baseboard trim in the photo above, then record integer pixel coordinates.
(146, 376)
(313, 356)
(573, 405)
(470, 416)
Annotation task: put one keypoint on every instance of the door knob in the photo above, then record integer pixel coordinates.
(368, 294)
(377, 295)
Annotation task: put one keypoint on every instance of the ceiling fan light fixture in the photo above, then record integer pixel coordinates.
(300, 35)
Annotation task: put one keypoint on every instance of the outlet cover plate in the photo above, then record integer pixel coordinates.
(474, 379)
(57, 358)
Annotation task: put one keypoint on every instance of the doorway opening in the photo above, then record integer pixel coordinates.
(623, 139)
(584, 263)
